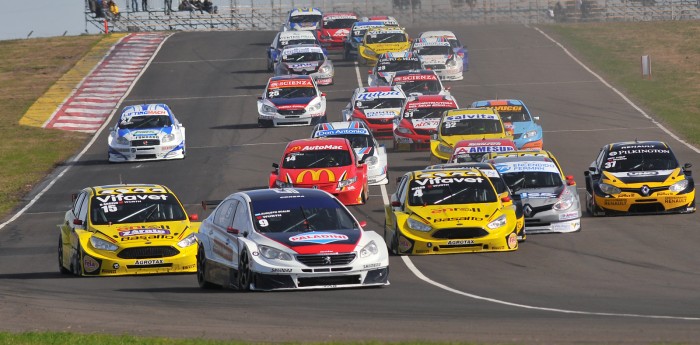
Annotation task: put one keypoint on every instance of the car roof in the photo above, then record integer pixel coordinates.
(130, 188)
(494, 102)
(342, 15)
(282, 193)
(415, 71)
(287, 35)
(300, 11)
(146, 109)
(472, 171)
(470, 111)
(403, 55)
(652, 144)
(385, 29)
(438, 33)
(309, 47)
(290, 76)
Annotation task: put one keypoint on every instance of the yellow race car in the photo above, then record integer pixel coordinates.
(380, 40)
(465, 124)
(638, 177)
(127, 229)
(449, 211)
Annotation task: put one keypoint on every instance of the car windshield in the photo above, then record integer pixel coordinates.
(379, 103)
(302, 57)
(358, 32)
(283, 44)
(291, 92)
(389, 37)
(618, 161)
(520, 115)
(338, 23)
(446, 191)
(307, 18)
(471, 126)
(357, 141)
(425, 113)
(434, 50)
(301, 215)
(151, 121)
(424, 87)
(454, 43)
(393, 65)
(531, 179)
(317, 159)
(135, 208)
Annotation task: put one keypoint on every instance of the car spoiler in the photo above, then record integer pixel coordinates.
(207, 203)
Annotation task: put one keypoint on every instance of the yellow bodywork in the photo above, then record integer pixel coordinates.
(368, 52)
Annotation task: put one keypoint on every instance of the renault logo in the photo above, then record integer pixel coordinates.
(316, 175)
(327, 260)
(527, 211)
(645, 190)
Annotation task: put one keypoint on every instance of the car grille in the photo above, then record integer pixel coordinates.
(148, 252)
(381, 121)
(517, 135)
(291, 112)
(535, 210)
(326, 281)
(459, 233)
(145, 142)
(425, 131)
(435, 67)
(652, 190)
(326, 260)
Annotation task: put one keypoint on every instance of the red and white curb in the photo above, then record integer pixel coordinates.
(86, 109)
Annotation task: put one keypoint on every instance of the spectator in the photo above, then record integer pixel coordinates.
(144, 5)
(113, 9)
(168, 6)
(209, 7)
(135, 5)
(99, 9)
(185, 5)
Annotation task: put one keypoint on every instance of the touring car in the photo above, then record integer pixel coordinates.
(381, 40)
(293, 100)
(390, 63)
(419, 120)
(635, 177)
(127, 229)
(146, 132)
(526, 132)
(376, 107)
(364, 144)
(457, 47)
(385, 20)
(306, 60)
(287, 38)
(303, 18)
(335, 29)
(285, 239)
(464, 124)
(354, 39)
(449, 211)
(437, 55)
(329, 164)
(419, 82)
(474, 150)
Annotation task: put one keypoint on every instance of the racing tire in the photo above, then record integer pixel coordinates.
(264, 123)
(360, 60)
(394, 250)
(202, 271)
(592, 209)
(76, 265)
(61, 269)
(245, 277)
(365, 194)
(269, 66)
(346, 55)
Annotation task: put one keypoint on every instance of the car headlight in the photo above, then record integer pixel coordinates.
(122, 141)
(274, 254)
(372, 160)
(345, 183)
(497, 223)
(566, 200)
(403, 130)
(418, 225)
(324, 69)
(101, 244)
(369, 52)
(529, 134)
(281, 184)
(187, 241)
(315, 107)
(444, 148)
(268, 109)
(609, 189)
(369, 250)
(679, 186)
(168, 138)
(452, 63)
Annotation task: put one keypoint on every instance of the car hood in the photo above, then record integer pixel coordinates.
(290, 103)
(460, 215)
(318, 242)
(301, 67)
(317, 175)
(651, 176)
(453, 139)
(536, 197)
(434, 59)
(427, 123)
(156, 233)
(336, 34)
(145, 133)
(380, 48)
(520, 127)
(380, 113)
(386, 76)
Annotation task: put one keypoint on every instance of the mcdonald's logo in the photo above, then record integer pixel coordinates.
(316, 175)
(295, 148)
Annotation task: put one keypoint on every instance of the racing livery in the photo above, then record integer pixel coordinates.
(474, 150)
(335, 29)
(527, 134)
(419, 82)
(457, 47)
(376, 107)
(292, 100)
(464, 124)
(449, 211)
(329, 164)
(419, 120)
(146, 132)
(638, 177)
(287, 38)
(385, 20)
(364, 144)
(381, 40)
(306, 60)
(284, 239)
(354, 39)
(389, 63)
(437, 55)
(127, 229)
(304, 18)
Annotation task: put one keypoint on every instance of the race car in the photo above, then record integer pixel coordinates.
(385, 20)
(329, 164)
(335, 28)
(285, 239)
(305, 59)
(527, 134)
(464, 124)
(303, 18)
(637, 177)
(474, 150)
(419, 82)
(288, 38)
(146, 132)
(292, 100)
(364, 144)
(354, 39)
(381, 40)
(388, 64)
(376, 107)
(127, 229)
(419, 120)
(437, 55)
(457, 47)
(449, 211)
(549, 198)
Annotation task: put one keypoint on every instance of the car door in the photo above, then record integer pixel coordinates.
(241, 227)
(221, 248)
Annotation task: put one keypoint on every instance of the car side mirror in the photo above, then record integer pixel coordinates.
(275, 165)
(323, 94)
(570, 180)
(434, 137)
(233, 231)
(363, 223)
(537, 118)
(506, 199)
(260, 98)
(74, 196)
(194, 217)
(448, 88)
(395, 203)
(78, 222)
(687, 166)
(369, 72)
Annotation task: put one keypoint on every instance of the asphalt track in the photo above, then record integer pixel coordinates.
(620, 280)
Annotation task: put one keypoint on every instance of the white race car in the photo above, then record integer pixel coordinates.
(146, 132)
(305, 59)
(436, 54)
(390, 63)
(292, 100)
(364, 144)
(285, 239)
(303, 18)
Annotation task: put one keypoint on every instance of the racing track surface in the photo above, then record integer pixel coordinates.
(620, 280)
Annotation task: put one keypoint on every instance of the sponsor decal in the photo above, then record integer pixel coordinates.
(568, 215)
(342, 131)
(109, 271)
(137, 232)
(459, 242)
(145, 112)
(641, 151)
(147, 237)
(425, 123)
(471, 117)
(189, 267)
(512, 241)
(145, 133)
(115, 266)
(508, 108)
(320, 147)
(566, 226)
(380, 113)
(120, 198)
(456, 209)
(482, 149)
(367, 96)
(444, 180)
(122, 190)
(675, 200)
(413, 77)
(538, 195)
(281, 270)
(90, 265)
(276, 84)
(316, 175)
(458, 219)
(614, 202)
(404, 244)
(148, 262)
(365, 266)
(642, 173)
(508, 167)
(291, 107)
(319, 237)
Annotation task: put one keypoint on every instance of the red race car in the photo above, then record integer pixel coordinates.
(377, 107)
(329, 164)
(335, 28)
(419, 120)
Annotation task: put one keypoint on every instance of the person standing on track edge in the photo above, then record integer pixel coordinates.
(134, 5)
(144, 5)
(168, 6)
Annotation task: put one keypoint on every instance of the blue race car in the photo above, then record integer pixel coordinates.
(527, 134)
